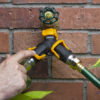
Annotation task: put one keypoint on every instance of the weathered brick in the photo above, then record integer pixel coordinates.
(73, 41)
(48, 1)
(62, 91)
(19, 18)
(4, 42)
(3, 0)
(62, 70)
(93, 92)
(79, 18)
(96, 1)
(76, 18)
(24, 40)
(96, 44)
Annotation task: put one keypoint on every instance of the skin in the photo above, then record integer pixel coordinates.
(13, 76)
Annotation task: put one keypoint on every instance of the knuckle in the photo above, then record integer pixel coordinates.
(23, 53)
(16, 66)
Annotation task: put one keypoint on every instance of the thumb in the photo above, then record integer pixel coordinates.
(22, 55)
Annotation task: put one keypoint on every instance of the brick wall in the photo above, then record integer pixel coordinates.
(79, 27)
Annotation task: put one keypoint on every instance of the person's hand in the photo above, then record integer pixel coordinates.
(13, 76)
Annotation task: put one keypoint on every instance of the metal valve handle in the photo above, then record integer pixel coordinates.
(48, 15)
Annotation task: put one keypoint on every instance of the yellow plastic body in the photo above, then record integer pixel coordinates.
(50, 31)
(31, 48)
(56, 44)
(37, 56)
(40, 57)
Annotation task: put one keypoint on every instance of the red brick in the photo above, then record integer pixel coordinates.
(3, 0)
(19, 18)
(62, 70)
(76, 18)
(40, 70)
(73, 41)
(96, 1)
(62, 91)
(4, 42)
(48, 1)
(79, 18)
(93, 92)
(24, 40)
(96, 44)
